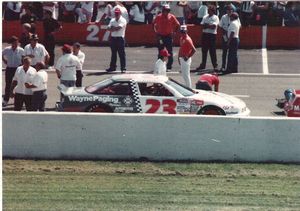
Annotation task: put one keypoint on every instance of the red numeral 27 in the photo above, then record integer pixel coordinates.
(169, 106)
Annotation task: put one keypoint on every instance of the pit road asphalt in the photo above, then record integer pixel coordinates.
(258, 90)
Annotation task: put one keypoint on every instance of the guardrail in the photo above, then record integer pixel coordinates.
(53, 135)
(250, 37)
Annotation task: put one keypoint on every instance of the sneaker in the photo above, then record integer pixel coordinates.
(201, 67)
(4, 103)
(123, 70)
(169, 69)
(222, 69)
(110, 70)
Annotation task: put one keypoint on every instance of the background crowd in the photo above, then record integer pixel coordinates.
(276, 13)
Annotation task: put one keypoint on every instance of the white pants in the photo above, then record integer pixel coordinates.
(185, 71)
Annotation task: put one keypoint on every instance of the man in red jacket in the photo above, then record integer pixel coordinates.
(207, 81)
(164, 25)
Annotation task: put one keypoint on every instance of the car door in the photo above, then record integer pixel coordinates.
(157, 98)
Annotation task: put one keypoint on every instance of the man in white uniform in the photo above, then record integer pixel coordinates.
(36, 51)
(233, 43)
(24, 74)
(161, 63)
(210, 23)
(81, 56)
(39, 88)
(117, 26)
(66, 67)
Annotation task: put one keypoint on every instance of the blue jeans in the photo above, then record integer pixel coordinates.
(209, 44)
(232, 62)
(166, 42)
(117, 45)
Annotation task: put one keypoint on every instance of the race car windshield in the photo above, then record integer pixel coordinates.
(97, 86)
(185, 91)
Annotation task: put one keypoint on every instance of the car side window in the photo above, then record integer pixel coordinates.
(154, 89)
(118, 88)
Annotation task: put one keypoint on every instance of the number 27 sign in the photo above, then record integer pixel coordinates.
(96, 32)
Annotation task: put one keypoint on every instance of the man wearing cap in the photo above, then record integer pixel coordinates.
(186, 51)
(50, 27)
(81, 56)
(24, 74)
(66, 67)
(36, 51)
(12, 58)
(210, 23)
(233, 43)
(160, 65)
(38, 87)
(164, 25)
(117, 27)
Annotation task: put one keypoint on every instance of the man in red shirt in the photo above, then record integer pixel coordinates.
(186, 51)
(207, 81)
(164, 25)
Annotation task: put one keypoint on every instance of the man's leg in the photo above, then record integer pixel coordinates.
(113, 59)
(121, 52)
(204, 50)
(28, 102)
(224, 53)
(9, 74)
(18, 103)
(212, 50)
(185, 71)
(168, 42)
(79, 77)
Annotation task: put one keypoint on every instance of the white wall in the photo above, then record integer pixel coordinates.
(156, 137)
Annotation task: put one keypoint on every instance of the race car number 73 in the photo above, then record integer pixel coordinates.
(169, 106)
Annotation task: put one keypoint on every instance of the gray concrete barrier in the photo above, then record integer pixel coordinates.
(153, 137)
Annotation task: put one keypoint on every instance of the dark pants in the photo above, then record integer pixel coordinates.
(166, 42)
(203, 85)
(117, 45)
(9, 74)
(38, 100)
(209, 44)
(246, 18)
(232, 62)
(148, 18)
(224, 52)
(79, 77)
(50, 46)
(20, 99)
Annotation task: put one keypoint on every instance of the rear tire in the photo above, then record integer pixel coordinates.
(211, 110)
(99, 108)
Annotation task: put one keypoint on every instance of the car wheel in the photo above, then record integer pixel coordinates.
(211, 110)
(99, 108)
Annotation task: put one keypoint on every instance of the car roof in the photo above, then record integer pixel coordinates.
(140, 78)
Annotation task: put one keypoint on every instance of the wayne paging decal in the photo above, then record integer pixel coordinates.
(103, 99)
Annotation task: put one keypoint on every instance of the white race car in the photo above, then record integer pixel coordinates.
(146, 93)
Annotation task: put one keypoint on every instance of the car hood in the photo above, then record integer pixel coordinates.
(74, 91)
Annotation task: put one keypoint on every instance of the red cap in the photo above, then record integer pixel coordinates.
(117, 11)
(164, 52)
(66, 48)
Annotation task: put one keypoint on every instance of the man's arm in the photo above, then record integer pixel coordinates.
(4, 59)
(12, 87)
(58, 73)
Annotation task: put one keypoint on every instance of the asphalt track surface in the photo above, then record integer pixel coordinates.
(257, 86)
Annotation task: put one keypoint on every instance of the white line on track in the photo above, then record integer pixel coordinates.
(242, 96)
(264, 51)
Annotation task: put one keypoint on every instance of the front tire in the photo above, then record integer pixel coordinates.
(211, 110)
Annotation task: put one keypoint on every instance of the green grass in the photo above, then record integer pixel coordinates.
(79, 185)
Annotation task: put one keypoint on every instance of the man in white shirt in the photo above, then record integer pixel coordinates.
(161, 63)
(12, 57)
(224, 24)
(210, 23)
(24, 74)
(36, 51)
(117, 26)
(122, 8)
(137, 14)
(66, 67)
(233, 43)
(85, 12)
(81, 56)
(39, 87)
(12, 11)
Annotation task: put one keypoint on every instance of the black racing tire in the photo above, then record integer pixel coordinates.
(99, 108)
(211, 110)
